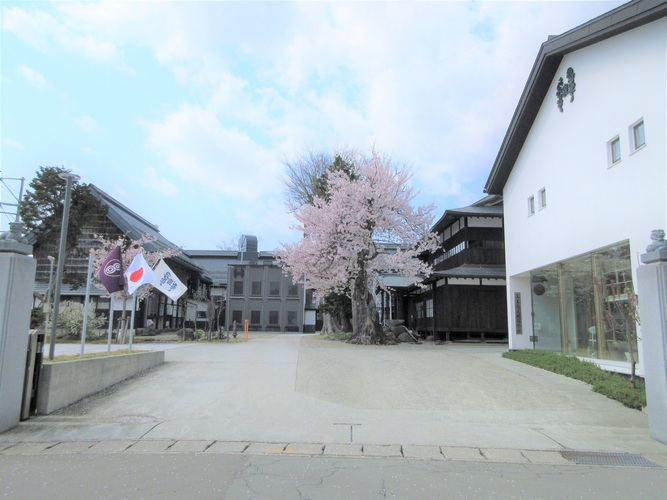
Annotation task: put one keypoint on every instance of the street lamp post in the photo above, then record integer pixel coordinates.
(70, 178)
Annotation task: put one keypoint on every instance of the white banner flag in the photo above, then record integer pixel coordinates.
(167, 282)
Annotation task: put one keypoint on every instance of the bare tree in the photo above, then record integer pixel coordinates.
(306, 173)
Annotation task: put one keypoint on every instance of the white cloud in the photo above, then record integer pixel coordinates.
(200, 150)
(48, 32)
(33, 77)
(13, 143)
(159, 183)
(87, 124)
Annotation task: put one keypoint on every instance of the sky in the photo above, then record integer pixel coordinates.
(186, 112)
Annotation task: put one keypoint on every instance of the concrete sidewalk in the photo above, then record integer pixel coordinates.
(296, 394)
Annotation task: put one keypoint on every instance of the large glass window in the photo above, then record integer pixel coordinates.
(586, 305)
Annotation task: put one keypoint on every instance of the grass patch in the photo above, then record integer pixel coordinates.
(74, 357)
(612, 385)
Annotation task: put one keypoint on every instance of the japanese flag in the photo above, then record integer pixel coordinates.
(167, 282)
(139, 273)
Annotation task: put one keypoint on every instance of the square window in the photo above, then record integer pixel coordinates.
(256, 288)
(531, 206)
(542, 198)
(238, 288)
(237, 316)
(255, 317)
(274, 288)
(274, 317)
(293, 290)
(291, 317)
(614, 150)
(637, 137)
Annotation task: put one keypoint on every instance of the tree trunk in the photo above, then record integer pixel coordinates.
(329, 324)
(122, 328)
(346, 324)
(365, 322)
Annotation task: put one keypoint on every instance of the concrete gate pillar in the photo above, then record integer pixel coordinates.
(652, 290)
(17, 281)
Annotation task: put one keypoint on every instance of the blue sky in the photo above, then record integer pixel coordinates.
(186, 111)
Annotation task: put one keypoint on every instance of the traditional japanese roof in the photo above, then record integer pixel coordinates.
(490, 206)
(67, 290)
(469, 271)
(135, 227)
(394, 281)
(614, 22)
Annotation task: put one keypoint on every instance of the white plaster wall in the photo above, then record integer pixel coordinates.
(589, 204)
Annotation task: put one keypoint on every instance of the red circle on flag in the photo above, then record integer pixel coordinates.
(137, 275)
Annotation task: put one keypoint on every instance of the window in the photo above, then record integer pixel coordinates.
(255, 317)
(637, 137)
(584, 305)
(274, 288)
(531, 206)
(238, 288)
(542, 198)
(237, 316)
(293, 290)
(614, 151)
(256, 288)
(291, 317)
(274, 317)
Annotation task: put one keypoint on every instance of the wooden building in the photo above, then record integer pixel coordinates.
(464, 298)
(116, 221)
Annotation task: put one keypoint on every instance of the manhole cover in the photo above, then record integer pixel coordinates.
(603, 458)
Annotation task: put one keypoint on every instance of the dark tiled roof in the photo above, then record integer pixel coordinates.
(473, 210)
(469, 271)
(135, 227)
(66, 290)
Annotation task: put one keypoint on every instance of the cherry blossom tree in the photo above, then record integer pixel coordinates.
(129, 250)
(346, 236)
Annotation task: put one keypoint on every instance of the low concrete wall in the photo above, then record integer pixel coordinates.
(64, 383)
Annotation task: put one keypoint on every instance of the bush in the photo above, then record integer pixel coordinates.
(70, 319)
(612, 385)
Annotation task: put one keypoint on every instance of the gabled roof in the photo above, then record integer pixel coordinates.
(135, 227)
(620, 20)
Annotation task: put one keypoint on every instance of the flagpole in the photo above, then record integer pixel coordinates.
(85, 304)
(109, 333)
(134, 307)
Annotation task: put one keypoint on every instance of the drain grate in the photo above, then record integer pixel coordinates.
(604, 458)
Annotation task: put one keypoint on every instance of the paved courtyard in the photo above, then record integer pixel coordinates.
(296, 394)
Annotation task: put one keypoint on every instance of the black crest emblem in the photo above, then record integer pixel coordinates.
(565, 89)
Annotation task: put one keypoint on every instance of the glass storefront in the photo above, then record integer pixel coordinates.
(586, 305)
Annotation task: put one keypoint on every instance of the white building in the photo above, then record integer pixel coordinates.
(583, 173)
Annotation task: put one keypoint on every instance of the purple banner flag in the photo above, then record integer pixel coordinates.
(111, 271)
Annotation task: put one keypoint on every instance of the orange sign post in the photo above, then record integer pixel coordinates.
(245, 330)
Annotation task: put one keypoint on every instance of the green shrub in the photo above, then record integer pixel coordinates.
(612, 385)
